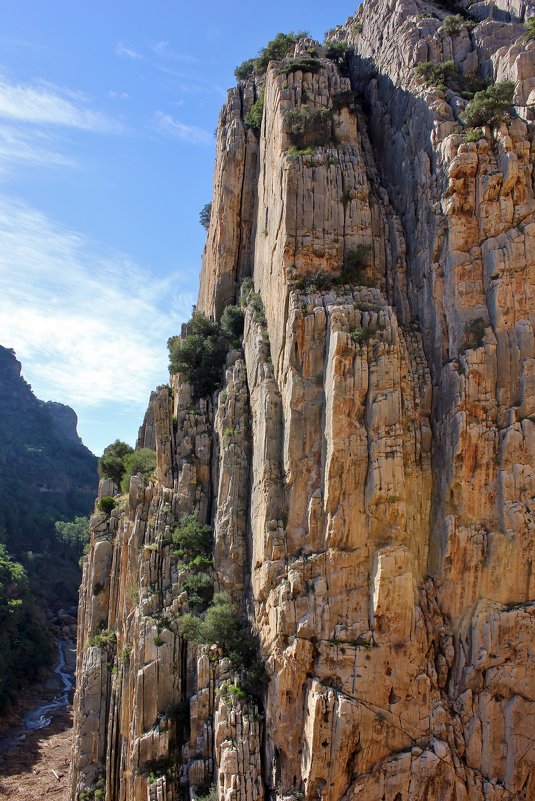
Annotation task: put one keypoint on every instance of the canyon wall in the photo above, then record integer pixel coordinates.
(368, 465)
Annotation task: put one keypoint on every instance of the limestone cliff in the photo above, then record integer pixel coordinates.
(367, 467)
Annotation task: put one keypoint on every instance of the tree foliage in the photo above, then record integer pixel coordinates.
(25, 644)
(278, 48)
(232, 321)
(141, 462)
(254, 117)
(192, 538)
(111, 463)
(199, 356)
(205, 215)
(74, 533)
(490, 106)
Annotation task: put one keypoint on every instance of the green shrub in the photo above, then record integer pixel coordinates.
(200, 589)
(361, 335)
(435, 74)
(452, 25)
(357, 28)
(199, 356)
(301, 65)
(205, 215)
(490, 106)
(473, 135)
(446, 76)
(356, 262)
(245, 70)
(424, 15)
(304, 124)
(106, 504)
(192, 538)
(190, 628)
(254, 117)
(319, 281)
(111, 463)
(232, 321)
(295, 152)
(336, 51)
(141, 462)
(344, 98)
(254, 301)
(104, 639)
(278, 48)
(530, 30)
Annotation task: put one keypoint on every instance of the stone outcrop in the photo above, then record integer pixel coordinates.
(368, 465)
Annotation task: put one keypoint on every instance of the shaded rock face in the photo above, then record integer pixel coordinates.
(368, 466)
(46, 472)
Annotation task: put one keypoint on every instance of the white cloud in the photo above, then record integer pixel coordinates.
(43, 104)
(179, 130)
(89, 326)
(19, 147)
(128, 52)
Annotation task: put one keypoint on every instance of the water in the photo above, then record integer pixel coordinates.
(41, 716)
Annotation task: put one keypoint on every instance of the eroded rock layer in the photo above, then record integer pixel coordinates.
(368, 466)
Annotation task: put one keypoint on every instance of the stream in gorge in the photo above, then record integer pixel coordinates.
(41, 716)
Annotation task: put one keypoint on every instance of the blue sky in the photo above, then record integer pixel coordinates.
(107, 119)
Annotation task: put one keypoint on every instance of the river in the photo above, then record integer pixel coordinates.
(40, 716)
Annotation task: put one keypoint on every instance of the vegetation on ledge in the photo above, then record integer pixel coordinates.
(278, 48)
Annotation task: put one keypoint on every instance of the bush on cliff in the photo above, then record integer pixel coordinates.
(232, 321)
(106, 504)
(490, 106)
(336, 51)
(222, 626)
(205, 215)
(192, 538)
(111, 464)
(278, 48)
(199, 356)
(530, 30)
(254, 117)
(141, 462)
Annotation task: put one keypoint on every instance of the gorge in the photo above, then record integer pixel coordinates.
(366, 466)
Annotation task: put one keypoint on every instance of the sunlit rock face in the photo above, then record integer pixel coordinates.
(368, 465)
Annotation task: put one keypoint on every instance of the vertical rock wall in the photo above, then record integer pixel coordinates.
(368, 465)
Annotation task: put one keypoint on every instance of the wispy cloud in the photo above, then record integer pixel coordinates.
(180, 130)
(42, 104)
(165, 50)
(129, 52)
(35, 148)
(114, 95)
(89, 325)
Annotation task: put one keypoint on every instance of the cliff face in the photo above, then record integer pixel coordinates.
(368, 466)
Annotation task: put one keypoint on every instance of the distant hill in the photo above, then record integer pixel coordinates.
(46, 474)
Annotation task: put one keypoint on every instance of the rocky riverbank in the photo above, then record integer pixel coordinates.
(34, 763)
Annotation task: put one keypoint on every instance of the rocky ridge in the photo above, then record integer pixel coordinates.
(368, 465)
